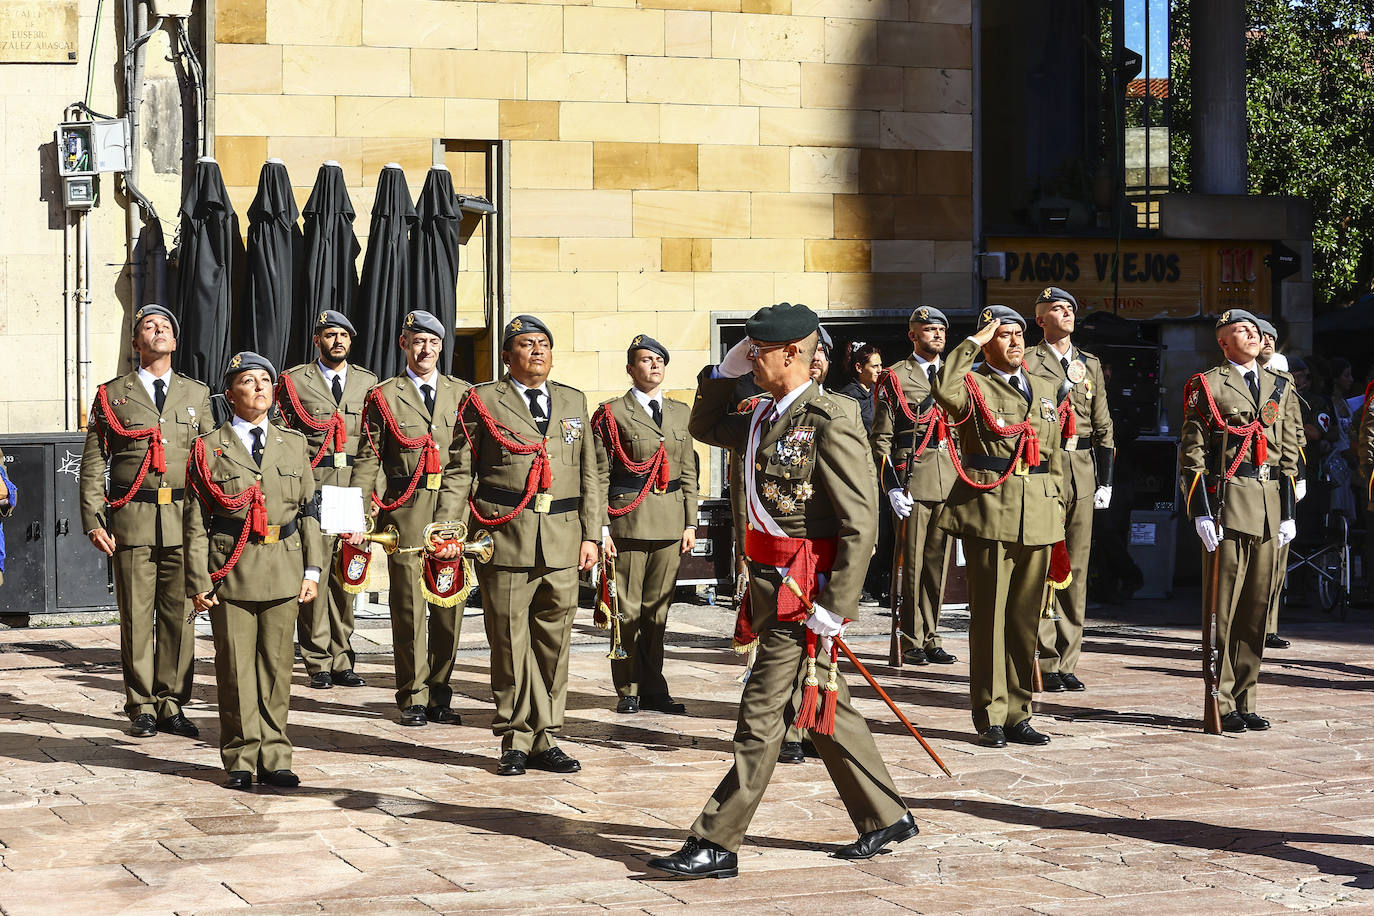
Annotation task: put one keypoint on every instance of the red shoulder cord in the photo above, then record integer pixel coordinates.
(541, 472)
(655, 467)
(155, 457)
(1068, 425)
(198, 475)
(1195, 390)
(889, 388)
(335, 429)
(1027, 446)
(429, 454)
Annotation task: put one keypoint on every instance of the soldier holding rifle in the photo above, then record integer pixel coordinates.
(1238, 460)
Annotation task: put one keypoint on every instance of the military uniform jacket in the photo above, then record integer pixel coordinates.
(318, 401)
(265, 571)
(933, 476)
(1024, 509)
(1249, 505)
(1364, 448)
(380, 452)
(1092, 420)
(553, 537)
(185, 415)
(814, 472)
(661, 516)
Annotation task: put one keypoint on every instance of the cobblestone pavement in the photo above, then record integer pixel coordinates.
(1130, 809)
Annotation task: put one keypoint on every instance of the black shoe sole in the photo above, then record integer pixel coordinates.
(414, 723)
(680, 876)
(900, 838)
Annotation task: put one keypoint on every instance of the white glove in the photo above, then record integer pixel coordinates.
(736, 361)
(901, 502)
(1299, 491)
(825, 625)
(1287, 531)
(1209, 532)
(1102, 498)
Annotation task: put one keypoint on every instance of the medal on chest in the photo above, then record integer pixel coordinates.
(1269, 413)
(794, 448)
(572, 429)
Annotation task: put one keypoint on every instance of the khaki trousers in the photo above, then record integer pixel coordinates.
(253, 671)
(1271, 619)
(325, 626)
(771, 699)
(1006, 588)
(1243, 591)
(424, 638)
(925, 564)
(528, 614)
(645, 576)
(156, 643)
(1061, 640)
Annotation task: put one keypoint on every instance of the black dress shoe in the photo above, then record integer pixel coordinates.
(1254, 722)
(940, 657)
(875, 841)
(699, 859)
(1022, 733)
(791, 752)
(347, 678)
(1053, 682)
(239, 779)
(915, 657)
(554, 761)
(993, 736)
(662, 703)
(320, 680)
(1275, 641)
(413, 715)
(442, 715)
(178, 725)
(627, 705)
(284, 778)
(1071, 682)
(1232, 722)
(512, 763)
(144, 726)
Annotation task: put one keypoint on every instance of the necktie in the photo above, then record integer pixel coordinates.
(656, 411)
(337, 387)
(931, 372)
(541, 418)
(159, 393)
(428, 392)
(1253, 384)
(1064, 361)
(1015, 382)
(257, 446)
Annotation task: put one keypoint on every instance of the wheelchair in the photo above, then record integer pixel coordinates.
(1322, 562)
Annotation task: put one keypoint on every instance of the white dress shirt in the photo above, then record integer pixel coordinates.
(544, 400)
(644, 399)
(147, 378)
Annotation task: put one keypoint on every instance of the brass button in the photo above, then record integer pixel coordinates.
(758, 466)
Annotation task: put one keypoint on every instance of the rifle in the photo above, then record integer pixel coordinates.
(895, 593)
(1211, 652)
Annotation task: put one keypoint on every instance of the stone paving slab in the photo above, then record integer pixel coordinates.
(1130, 809)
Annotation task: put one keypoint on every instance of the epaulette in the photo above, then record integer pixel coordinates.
(827, 405)
(194, 383)
(1085, 356)
(552, 384)
(288, 430)
(296, 368)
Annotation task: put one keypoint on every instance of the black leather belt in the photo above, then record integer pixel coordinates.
(1262, 472)
(223, 524)
(1000, 465)
(619, 488)
(503, 497)
(398, 485)
(1082, 445)
(151, 496)
(328, 461)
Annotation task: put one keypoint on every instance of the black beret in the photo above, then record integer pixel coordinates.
(927, 314)
(1055, 294)
(782, 323)
(423, 322)
(1236, 316)
(645, 342)
(525, 324)
(245, 360)
(1002, 315)
(332, 319)
(1267, 328)
(154, 309)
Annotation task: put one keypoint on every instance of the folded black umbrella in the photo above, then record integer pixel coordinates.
(384, 296)
(434, 254)
(204, 264)
(329, 278)
(274, 239)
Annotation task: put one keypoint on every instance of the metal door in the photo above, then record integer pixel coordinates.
(28, 562)
(82, 578)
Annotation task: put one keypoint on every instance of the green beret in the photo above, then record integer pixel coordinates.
(1236, 316)
(148, 311)
(422, 322)
(928, 314)
(332, 319)
(245, 360)
(782, 323)
(645, 342)
(1002, 315)
(524, 324)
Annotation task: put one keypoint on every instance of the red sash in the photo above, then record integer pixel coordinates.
(804, 558)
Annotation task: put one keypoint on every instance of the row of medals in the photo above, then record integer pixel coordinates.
(792, 451)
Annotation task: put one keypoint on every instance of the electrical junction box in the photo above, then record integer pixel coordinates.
(91, 147)
(172, 9)
(78, 191)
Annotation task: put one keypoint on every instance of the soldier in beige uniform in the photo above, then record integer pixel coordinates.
(1008, 510)
(409, 424)
(323, 401)
(139, 435)
(906, 422)
(253, 556)
(648, 469)
(1234, 417)
(545, 526)
(1089, 454)
(812, 501)
(1292, 414)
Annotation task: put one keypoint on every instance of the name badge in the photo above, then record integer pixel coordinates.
(340, 460)
(432, 481)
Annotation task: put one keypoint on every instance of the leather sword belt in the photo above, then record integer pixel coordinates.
(347, 462)
(1262, 472)
(624, 485)
(1082, 445)
(164, 496)
(999, 465)
(503, 497)
(224, 524)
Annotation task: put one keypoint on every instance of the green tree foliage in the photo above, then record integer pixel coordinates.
(1309, 101)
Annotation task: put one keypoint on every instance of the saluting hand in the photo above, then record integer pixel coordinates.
(985, 335)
